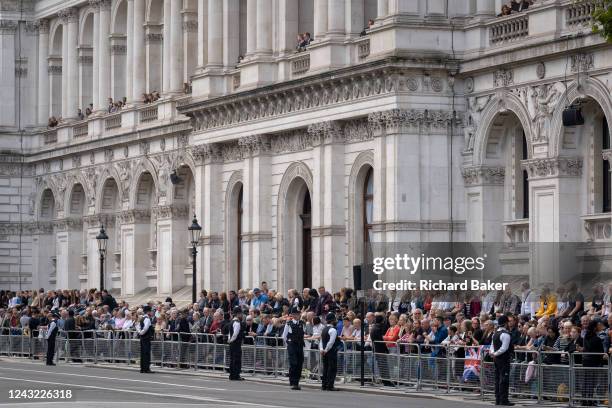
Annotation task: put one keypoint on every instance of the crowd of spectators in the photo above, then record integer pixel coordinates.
(515, 6)
(150, 97)
(116, 106)
(564, 320)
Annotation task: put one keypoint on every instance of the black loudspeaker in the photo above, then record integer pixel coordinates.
(357, 277)
(174, 178)
(572, 116)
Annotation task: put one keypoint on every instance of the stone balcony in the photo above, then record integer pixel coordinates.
(517, 232)
(598, 227)
(105, 125)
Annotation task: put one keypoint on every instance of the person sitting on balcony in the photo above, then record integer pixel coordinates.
(146, 98)
(89, 110)
(124, 101)
(365, 30)
(52, 122)
(154, 96)
(299, 41)
(187, 87)
(505, 11)
(111, 105)
(80, 114)
(519, 5)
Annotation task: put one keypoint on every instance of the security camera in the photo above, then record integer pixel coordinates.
(174, 178)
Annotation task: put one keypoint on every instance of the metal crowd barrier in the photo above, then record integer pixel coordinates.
(577, 378)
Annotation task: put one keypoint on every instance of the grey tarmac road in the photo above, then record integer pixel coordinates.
(100, 387)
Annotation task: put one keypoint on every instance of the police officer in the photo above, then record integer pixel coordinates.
(145, 332)
(329, 346)
(293, 335)
(50, 336)
(501, 351)
(236, 333)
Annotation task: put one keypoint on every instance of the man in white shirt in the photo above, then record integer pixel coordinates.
(50, 336)
(236, 333)
(293, 336)
(329, 346)
(529, 301)
(501, 351)
(145, 332)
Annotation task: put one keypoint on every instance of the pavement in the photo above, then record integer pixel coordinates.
(124, 386)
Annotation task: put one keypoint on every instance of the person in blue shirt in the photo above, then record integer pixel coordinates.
(259, 298)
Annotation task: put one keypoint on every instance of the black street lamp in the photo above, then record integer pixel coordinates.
(102, 239)
(194, 234)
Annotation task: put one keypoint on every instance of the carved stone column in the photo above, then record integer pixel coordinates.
(257, 229)
(69, 247)
(209, 211)
(172, 223)
(328, 226)
(554, 213)
(135, 243)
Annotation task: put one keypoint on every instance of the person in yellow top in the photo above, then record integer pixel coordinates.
(548, 304)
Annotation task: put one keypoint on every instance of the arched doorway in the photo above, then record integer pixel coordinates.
(296, 255)
(44, 250)
(235, 260)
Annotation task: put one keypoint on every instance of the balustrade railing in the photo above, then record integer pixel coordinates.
(509, 29)
(363, 48)
(50, 136)
(80, 130)
(301, 64)
(598, 227)
(148, 114)
(112, 122)
(580, 13)
(517, 232)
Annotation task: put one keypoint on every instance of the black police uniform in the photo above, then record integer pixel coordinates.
(145, 347)
(235, 349)
(330, 359)
(502, 368)
(295, 352)
(51, 335)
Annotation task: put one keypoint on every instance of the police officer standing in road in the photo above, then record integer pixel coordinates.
(293, 335)
(52, 330)
(329, 346)
(501, 351)
(236, 333)
(145, 332)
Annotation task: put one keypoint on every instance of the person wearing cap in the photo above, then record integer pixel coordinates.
(329, 346)
(293, 335)
(145, 333)
(236, 336)
(502, 351)
(50, 336)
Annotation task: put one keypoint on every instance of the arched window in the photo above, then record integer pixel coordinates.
(239, 214)
(606, 203)
(368, 209)
(306, 242)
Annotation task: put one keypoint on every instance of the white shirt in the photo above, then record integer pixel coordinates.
(145, 326)
(52, 326)
(287, 331)
(505, 339)
(235, 331)
(332, 339)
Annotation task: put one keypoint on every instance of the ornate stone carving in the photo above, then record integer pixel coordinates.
(42, 26)
(144, 148)
(541, 70)
(326, 132)
(54, 69)
(475, 106)
(85, 59)
(255, 145)
(109, 155)
(206, 153)
(582, 62)
(553, 167)
(412, 83)
(190, 26)
(69, 15)
(436, 84)
(182, 140)
(118, 49)
(124, 169)
(542, 102)
(91, 183)
(607, 154)
(291, 141)
(469, 84)
(104, 5)
(357, 130)
(76, 161)
(134, 216)
(166, 212)
(68, 224)
(8, 26)
(483, 175)
(31, 28)
(503, 77)
(151, 38)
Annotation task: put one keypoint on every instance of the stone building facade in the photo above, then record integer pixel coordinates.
(439, 122)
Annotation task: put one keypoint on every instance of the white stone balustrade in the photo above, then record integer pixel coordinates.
(517, 232)
(598, 227)
(300, 64)
(580, 13)
(508, 29)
